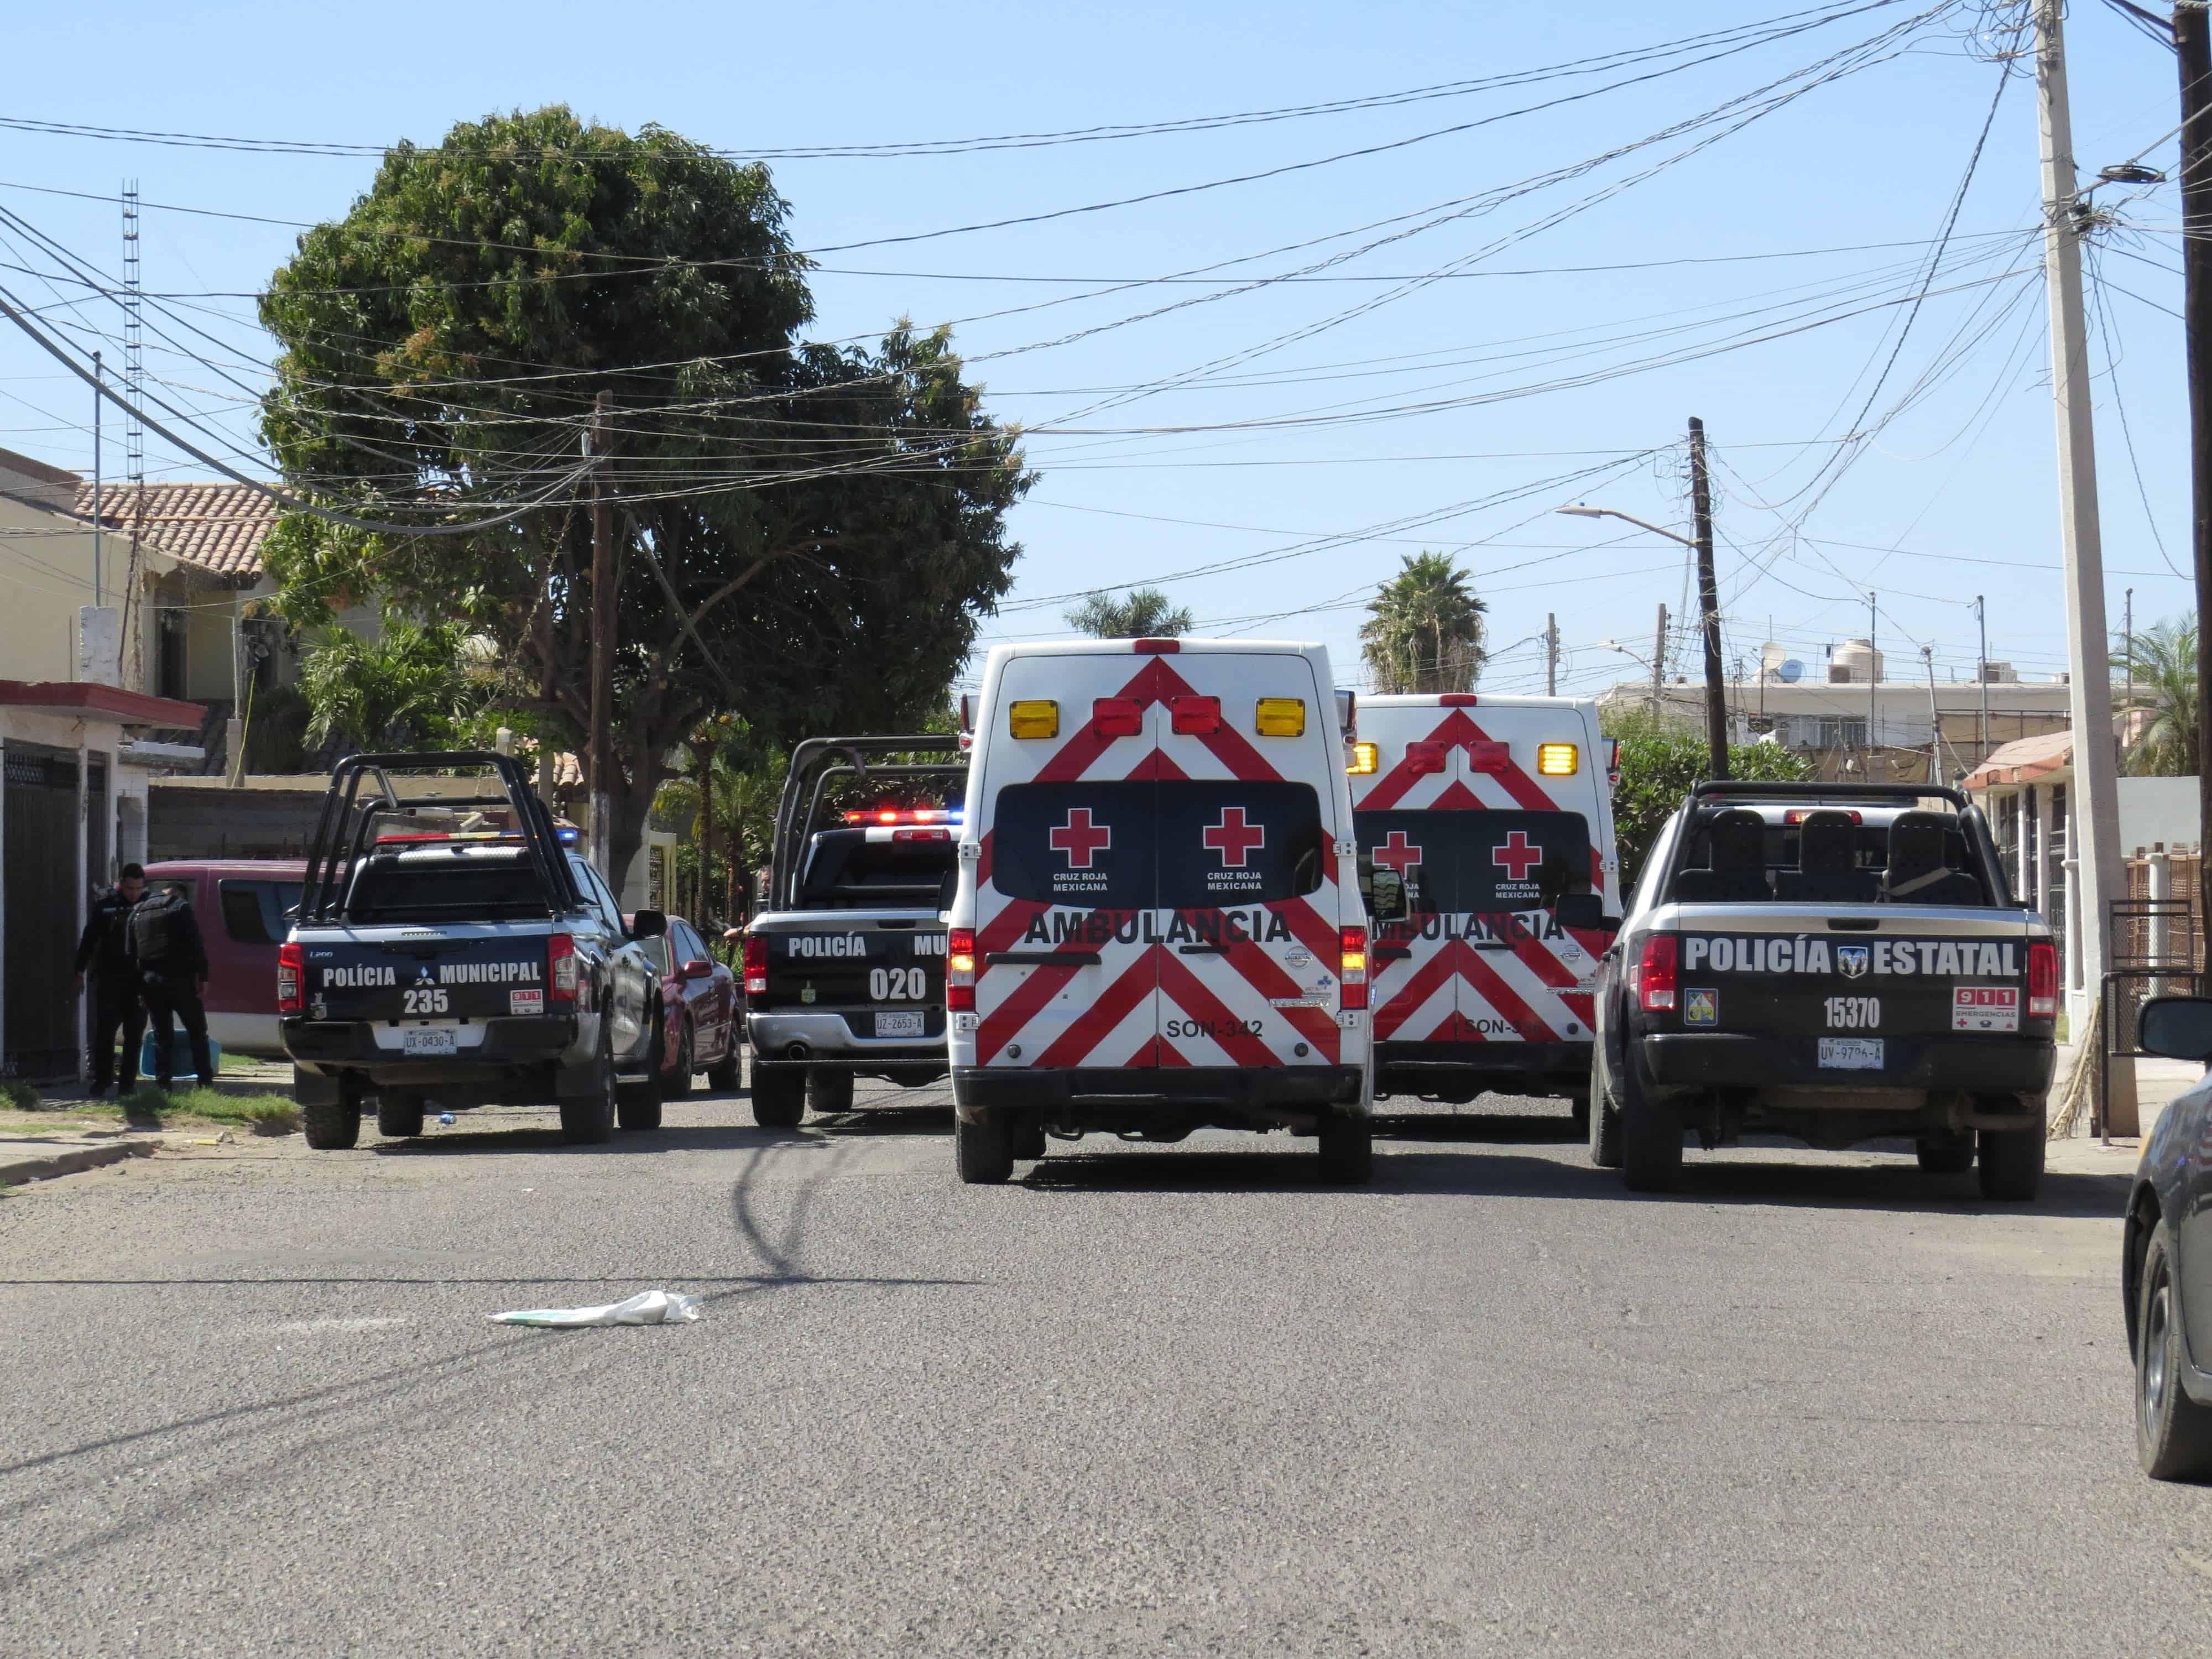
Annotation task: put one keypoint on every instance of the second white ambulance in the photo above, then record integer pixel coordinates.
(1159, 925)
(1495, 816)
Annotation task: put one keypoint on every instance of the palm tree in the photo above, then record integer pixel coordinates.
(412, 686)
(1143, 613)
(2161, 663)
(1424, 631)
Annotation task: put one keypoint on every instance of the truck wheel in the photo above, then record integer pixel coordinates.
(332, 1125)
(1025, 1135)
(828, 1092)
(1650, 1136)
(2012, 1163)
(676, 1082)
(985, 1151)
(637, 1105)
(778, 1095)
(398, 1113)
(1604, 1115)
(1347, 1149)
(1946, 1154)
(2173, 1433)
(588, 1119)
(722, 1075)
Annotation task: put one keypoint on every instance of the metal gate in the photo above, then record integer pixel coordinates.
(39, 800)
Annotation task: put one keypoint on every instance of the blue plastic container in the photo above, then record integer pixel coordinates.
(180, 1058)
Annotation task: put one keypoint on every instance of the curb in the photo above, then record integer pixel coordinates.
(74, 1162)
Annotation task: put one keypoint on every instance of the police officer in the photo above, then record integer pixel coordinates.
(115, 1002)
(163, 938)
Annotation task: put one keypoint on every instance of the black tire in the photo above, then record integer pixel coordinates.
(2173, 1433)
(398, 1114)
(588, 1119)
(1651, 1135)
(676, 1082)
(778, 1095)
(2011, 1164)
(722, 1076)
(332, 1125)
(1347, 1149)
(1025, 1135)
(1947, 1155)
(1604, 1126)
(828, 1091)
(637, 1105)
(983, 1151)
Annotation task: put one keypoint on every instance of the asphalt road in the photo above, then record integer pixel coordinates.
(1147, 1400)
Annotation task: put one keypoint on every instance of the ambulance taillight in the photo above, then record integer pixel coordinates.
(1197, 717)
(1117, 717)
(1365, 757)
(1351, 966)
(1280, 717)
(1033, 717)
(1558, 760)
(960, 970)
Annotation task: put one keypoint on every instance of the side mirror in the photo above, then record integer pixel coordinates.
(697, 968)
(1585, 911)
(2177, 1028)
(648, 924)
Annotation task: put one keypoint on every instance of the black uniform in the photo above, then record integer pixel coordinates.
(164, 940)
(101, 953)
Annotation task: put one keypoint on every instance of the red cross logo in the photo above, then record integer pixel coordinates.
(1080, 838)
(1233, 838)
(1517, 855)
(1397, 853)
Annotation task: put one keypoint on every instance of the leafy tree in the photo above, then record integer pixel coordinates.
(1659, 760)
(1424, 628)
(409, 688)
(1142, 613)
(805, 532)
(2164, 662)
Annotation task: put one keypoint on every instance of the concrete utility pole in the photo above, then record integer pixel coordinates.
(1982, 673)
(1551, 655)
(603, 646)
(2095, 840)
(1709, 601)
(2193, 46)
(1934, 720)
(1658, 658)
(1873, 684)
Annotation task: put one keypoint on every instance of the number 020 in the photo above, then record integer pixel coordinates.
(896, 985)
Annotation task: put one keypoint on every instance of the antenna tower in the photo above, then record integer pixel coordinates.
(134, 431)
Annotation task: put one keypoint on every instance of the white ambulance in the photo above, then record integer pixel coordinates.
(1159, 925)
(1494, 815)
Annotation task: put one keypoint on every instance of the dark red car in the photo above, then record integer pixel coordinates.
(700, 1029)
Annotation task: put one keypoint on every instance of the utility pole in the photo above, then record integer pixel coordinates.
(2193, 46)
(2092, 842)
(1658, 659)
(1709, 601)
(1551, 655)
(1934, 720)
(603, 646)
(1982, 673)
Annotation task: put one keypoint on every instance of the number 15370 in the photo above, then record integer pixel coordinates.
(1854, 1013)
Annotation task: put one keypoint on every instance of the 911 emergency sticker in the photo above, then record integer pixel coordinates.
(1985, 1008)
(526, 1001)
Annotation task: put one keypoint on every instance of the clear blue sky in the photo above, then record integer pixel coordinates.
(1965, 474)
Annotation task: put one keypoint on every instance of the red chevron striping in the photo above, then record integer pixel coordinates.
(1184, 989)
(1555, 973)
(1498, 994)
(1310, 929)
(1166, 1054)
(1113, 1004)
(1267, 976)
(1391, 788)
(1419, 987)
(983, 862)
(1006, 928)
(1004, 1024)
(1583, 1004)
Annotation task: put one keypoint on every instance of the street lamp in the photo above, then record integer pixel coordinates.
(1579, 511)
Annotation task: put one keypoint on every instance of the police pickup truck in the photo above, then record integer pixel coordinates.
(1835, 962)
(845, 968)
(450, 951)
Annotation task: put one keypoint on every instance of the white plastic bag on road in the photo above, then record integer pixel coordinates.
(646, 1307)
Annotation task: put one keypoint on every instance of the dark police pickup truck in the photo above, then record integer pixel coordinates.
(845, 969)
(1831, 961)
(450, 951)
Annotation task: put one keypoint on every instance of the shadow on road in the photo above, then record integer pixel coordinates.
(690, 1138)
(1502, 1127)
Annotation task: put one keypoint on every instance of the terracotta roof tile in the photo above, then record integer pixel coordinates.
(216, 526)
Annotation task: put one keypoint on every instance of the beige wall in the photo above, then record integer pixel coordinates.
(44, 579)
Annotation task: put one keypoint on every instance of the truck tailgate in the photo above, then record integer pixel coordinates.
(856, 964)
(467, 970)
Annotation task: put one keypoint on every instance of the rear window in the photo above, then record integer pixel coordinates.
(258, 912)
(912, 870)
(432, 887)
(1919, 858)
(1174, 844)
(1456, 862)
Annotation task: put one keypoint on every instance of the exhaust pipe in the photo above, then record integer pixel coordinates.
(796, 1051)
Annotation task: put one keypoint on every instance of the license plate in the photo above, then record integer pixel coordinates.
(427, 1040)
(890, 1025)
(1851, 1054)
